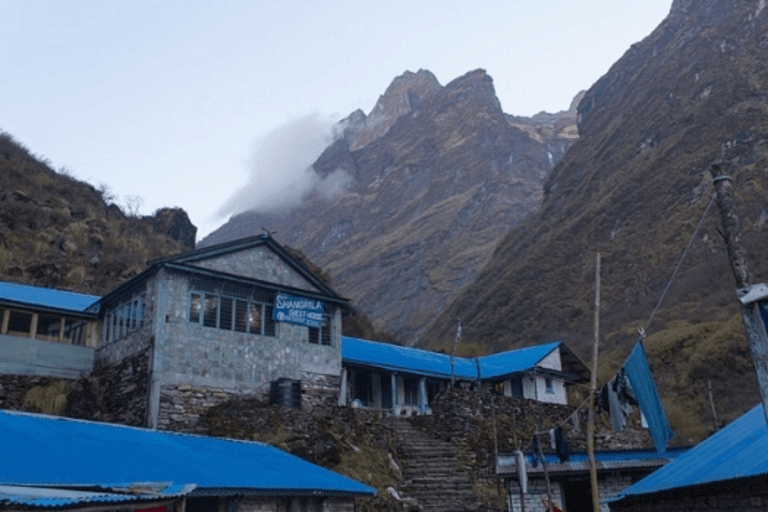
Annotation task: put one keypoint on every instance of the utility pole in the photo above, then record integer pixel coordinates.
(453, 352)
(747, 294)
(592, 393)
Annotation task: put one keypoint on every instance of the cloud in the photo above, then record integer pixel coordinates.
(281, 173)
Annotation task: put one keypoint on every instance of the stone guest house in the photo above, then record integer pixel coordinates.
(196, 329)
(187, 333)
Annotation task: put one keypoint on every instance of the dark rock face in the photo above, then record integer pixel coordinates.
(634, 187)
(429, 198)
(175, 223)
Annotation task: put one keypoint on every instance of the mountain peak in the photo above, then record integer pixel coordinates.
(403, 95)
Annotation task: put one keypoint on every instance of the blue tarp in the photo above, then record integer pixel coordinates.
(432, 364)
(639, 375)
(45, 451)
(740, 450)
(46, 297)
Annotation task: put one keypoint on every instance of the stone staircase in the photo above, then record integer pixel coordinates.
(432, 475)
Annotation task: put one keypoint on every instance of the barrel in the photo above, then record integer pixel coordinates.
(285, 392)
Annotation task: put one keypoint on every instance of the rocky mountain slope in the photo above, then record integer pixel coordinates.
(59, 232)
(438, 176)
(634, 188)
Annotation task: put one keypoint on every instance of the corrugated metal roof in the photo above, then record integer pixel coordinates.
(740, 450)
(46, 297)
(425, 362)
(46, 497)
(605, 461)
(514, 361)
(404, 359)
(49, 451)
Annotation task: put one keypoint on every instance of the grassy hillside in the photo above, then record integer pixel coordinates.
(57, 231)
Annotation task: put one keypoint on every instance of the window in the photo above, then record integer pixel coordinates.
(411, 391)
(19, 323)
(74, 331)
(548, 384)
(321, 335)
(44, 326)
(232, 308)
(48, 327)
(121, 320)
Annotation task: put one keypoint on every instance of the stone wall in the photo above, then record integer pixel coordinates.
(536, 497)
(253, 504)
(14, 391)
(319, 390)
(609, 486)
(240, 362)
(121, 390)
(115, 394)
(257, 263)
(744, 495)
(183, 405)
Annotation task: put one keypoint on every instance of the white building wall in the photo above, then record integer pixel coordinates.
(552, 361)
(535, 388)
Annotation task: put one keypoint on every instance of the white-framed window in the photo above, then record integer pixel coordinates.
(548, 385)
(232, 308)
(321, 335)
(125, 317)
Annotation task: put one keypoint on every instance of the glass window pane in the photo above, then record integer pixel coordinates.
(211, 310)
(225, 314)
(254, 319)
(241, 316)
(135, 314)
(128, 316)
(141, 310)
(48, 327)
(107, 330)
(74, 331)
(195, 301)
(325, 335)
(269, 324)
(19, 323)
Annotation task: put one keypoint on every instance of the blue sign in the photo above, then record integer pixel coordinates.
(294, 309)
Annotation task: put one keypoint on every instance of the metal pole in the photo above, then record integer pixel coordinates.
(750, 311)
(453, 351)
(592, 392)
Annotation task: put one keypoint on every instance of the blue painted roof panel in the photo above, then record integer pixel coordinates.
(82, 453)
(42, 497)
(36, 296)
(424, 362)
(739, 450)
(404, 359)
(514, 361)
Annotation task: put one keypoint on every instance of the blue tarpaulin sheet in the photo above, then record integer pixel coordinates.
(639, 375)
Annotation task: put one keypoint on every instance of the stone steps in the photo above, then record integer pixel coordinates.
(432, 474)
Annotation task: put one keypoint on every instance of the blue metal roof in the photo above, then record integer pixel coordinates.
(404, 359)
(602, 456)
(514, 361)
(424, 362)
(50, 451)
(740, 450)
(42, 497)
(35, 296)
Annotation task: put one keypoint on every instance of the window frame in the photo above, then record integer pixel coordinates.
(255, 299)
(126, 316)
(322, 336)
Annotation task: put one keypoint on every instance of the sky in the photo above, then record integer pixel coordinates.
(220, 106)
